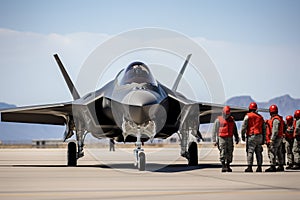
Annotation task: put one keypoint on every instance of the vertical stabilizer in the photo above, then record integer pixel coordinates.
(175, 86)
(67, 78)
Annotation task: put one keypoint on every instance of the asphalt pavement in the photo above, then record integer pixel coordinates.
(101, 174)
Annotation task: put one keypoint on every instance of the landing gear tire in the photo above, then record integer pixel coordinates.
(141, 161)
(72, 154)
(193, 154)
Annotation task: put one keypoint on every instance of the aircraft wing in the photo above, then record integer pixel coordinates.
(209, 112)
(55, 114)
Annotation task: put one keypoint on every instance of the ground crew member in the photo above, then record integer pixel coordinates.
(283, 151)
(223, 131)
(282, 145)
(274, 136)
(111, 144)
(253, 131)
(296, 147)
(289, 140)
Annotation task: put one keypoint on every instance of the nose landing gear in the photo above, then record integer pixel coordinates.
(140, 157)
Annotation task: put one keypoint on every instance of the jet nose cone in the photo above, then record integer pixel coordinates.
(140, 98)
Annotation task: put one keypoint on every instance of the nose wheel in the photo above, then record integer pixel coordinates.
(140, 162)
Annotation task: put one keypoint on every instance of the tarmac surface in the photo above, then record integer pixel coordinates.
(100, 174)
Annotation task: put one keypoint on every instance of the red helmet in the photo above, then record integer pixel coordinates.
(297, 114)
(253, 106)
(273, 109)
(289, 119)
(226, 110)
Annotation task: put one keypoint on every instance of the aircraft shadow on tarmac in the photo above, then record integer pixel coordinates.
(153, 167)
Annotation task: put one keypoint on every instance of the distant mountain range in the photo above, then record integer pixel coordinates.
(286, 104)
(18, 132)
(5, 105)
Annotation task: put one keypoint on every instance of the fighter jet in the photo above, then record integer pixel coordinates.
(134, 107)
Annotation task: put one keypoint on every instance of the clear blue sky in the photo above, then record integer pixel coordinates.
(239, 33)
(266, 21)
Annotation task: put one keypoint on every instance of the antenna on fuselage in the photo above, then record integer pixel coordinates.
(175, 86)
(67, 78)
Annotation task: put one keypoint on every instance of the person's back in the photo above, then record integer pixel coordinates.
(253, 131)
(255, 123)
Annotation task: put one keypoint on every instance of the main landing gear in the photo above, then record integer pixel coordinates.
(76, 151)
(193, 154)
(72, 154)
(188, 150)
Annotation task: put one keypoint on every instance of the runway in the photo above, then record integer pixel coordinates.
(42, 174)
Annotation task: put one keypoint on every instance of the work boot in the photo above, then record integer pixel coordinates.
(280, 168)
(290, 166)
(224, 168)
(258, 169)
(271, 169)
(249, 169)
(228, 168)
(296, 166)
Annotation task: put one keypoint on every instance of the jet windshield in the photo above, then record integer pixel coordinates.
(136, 72)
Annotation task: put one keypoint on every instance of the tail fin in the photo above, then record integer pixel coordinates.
(67, 78)
(174, 88)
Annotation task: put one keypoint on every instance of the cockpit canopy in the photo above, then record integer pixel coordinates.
(136, 72)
